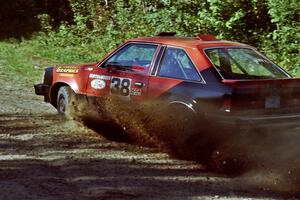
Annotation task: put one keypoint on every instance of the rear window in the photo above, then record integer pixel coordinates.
(243, 63)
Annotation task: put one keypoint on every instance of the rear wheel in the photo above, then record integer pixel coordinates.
(65, 100)
(187, 134)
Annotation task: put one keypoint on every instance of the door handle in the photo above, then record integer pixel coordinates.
(139, 84)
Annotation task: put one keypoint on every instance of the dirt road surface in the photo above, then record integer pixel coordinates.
(43, 156)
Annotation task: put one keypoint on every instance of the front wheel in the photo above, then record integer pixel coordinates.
(65, 100)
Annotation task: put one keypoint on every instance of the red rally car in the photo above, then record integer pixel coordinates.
(224, 82)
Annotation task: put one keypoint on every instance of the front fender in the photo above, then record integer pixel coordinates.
(71, 83)
(74, 76)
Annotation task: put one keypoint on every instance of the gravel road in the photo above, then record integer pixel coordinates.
(43, 156)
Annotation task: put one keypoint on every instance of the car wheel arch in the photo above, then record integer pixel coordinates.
(182, 101)
(54, 91)
(179, 103)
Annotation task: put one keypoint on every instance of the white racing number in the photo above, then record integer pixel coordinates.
(120, 86)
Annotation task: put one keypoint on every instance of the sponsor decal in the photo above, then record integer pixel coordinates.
(88, 69)
(98, 76)
(98, 84)
(67, 69)
(136, 92)
(66, 75)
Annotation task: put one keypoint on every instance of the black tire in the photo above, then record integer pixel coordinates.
(65, 100)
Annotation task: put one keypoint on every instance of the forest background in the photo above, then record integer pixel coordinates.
(38, 33)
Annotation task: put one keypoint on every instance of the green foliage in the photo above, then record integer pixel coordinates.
(97, 27)
(283, 44)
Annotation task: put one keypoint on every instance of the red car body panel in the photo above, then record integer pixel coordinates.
(78, 80)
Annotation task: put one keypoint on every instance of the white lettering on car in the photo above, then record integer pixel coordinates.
(98, 76)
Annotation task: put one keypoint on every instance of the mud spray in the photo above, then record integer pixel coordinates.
(268, 158)
(264, 159)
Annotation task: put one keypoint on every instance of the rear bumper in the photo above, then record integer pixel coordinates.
(261, 121)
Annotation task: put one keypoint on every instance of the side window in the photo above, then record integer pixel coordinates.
(176, 64)
(133, 57)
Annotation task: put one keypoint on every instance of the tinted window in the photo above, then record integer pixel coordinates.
(176, 64)
(133, 56)
(243, 63)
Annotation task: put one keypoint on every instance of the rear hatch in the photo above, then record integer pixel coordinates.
(274, 96)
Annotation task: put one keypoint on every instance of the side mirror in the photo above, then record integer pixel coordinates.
(112, 67)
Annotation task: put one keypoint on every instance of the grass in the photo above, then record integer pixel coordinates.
(20, 62)
(25, 61)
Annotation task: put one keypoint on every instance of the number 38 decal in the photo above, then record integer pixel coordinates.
(120, 86)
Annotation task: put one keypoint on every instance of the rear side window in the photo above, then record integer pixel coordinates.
(243, 63)
(177, 64)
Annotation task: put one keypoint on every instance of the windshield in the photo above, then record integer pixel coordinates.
(243, 63)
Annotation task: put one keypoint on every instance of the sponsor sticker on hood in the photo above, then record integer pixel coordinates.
(68, 69)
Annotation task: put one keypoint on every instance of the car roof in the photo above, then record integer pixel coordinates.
(187, 42)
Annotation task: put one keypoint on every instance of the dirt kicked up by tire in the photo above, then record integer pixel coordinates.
(44, 156)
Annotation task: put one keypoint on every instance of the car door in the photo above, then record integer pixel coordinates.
(128, 69)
